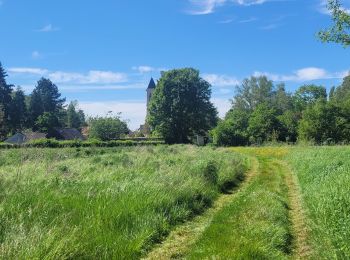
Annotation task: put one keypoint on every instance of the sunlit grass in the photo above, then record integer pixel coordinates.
(324, 176)
(105, 203)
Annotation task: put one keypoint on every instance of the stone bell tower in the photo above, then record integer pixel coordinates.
(150, 89)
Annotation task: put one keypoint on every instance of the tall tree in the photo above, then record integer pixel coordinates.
(253, 92)
(18, 111)
(180, 106)
(46, 98)
(75, 116)
(5, 99)
(339, 32)
(307, 95)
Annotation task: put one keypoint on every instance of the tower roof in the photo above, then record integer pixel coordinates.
(151, 84)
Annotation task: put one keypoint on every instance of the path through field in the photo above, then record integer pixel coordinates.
(263, 218)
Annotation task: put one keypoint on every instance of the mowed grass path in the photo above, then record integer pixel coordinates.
(263, 219)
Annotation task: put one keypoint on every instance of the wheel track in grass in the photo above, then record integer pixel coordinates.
(181, 238)
(300, 228)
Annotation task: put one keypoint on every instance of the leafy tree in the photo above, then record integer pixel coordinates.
(289, 123)
(107, 128)
(253, 92)
(308, 95)
(18, 111)
(75, 116)
(322, 123)
(339, 31)
(180, 106)
(263, 124)
(5, 99)
(47, 122)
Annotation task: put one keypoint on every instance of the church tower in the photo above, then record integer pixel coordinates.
(150, 89)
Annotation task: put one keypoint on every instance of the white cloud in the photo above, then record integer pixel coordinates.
(220, 80)
(48, 28)
(305, 74)
(92, 77)
(249, 20)
(36, 55)
(147, 69)
(134, 111)
(36, 71)
(202, 7)
(223, 105)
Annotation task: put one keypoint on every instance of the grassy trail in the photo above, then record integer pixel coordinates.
(264, 219)
(180, 240)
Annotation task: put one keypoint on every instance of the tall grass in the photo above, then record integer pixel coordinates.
(105, 202)
(324, 176)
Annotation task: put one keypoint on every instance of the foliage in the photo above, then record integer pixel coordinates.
(5, 101)
(180, 106)
(112, 203)
(46, 122)
(75, 116)
(18, 112)
(107, 128)
(339, 32)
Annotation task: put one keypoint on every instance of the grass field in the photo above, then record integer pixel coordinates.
(105, 203)
(121, 202)
(324, 177)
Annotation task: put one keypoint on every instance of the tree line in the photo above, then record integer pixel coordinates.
(43, 110)
(262, 111)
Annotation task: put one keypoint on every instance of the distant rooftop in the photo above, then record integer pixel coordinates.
(151, 84)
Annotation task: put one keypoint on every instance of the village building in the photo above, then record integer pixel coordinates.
(145, 129)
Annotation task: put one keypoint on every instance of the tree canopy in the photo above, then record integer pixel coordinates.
(339, 32)
(180, 106)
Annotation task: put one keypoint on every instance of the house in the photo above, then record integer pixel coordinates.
(20, 138)
(58, 133)
(67, 134)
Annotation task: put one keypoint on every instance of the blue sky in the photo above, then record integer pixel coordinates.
(103, 53)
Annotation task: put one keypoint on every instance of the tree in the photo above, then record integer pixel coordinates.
(75, 116)
(18, 111)
(308, 95)
(263, 124)
(46, 98)
(3, 129)
(180, 106)
(107, 128)
(253, 92)
(5, 99)
(339, 32)
(322, 123)
(47, 122)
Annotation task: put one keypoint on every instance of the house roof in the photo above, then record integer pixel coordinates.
(68, 134)
(20, 138)
(151, 84)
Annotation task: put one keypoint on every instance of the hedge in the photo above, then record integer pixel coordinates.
(52, 143)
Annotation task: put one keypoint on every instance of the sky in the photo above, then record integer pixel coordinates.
(103, 53)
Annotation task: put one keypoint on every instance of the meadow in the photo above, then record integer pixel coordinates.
(128, 202)
(90, 203)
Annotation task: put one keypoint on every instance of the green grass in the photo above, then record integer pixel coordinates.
(106, 203)
(324, 176)
(255, 225)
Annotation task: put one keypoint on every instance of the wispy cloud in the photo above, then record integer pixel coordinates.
(305, 74)
(203, 7)
(91, 77)
(270, 26)
(48, 28)
(249, 20)
(221, 80)
(36, 55)
(147, 69)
